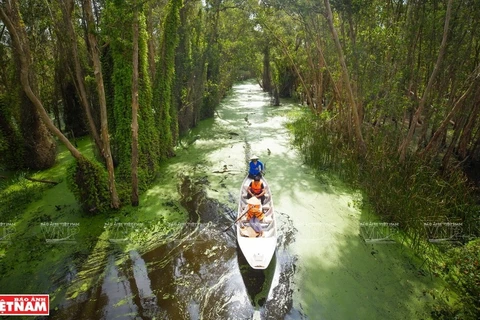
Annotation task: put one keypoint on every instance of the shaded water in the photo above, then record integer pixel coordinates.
(322, 268)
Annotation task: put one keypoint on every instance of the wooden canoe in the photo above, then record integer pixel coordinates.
(258, 251)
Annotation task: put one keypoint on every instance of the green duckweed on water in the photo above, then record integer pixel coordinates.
(39, 213)
(141, 260)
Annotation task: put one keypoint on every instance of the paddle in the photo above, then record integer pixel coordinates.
(236, 221)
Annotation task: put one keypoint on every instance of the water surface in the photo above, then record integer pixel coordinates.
(192, 269)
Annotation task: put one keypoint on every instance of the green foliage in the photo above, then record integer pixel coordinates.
(240, 46)
(410, 194)
(117, 16)
(166, 118)
(407, 193)
(16, 194)
(463, 271)
(149, 146)
(107, 69)
(118, 67)
(11, 142)
(88, 181)
(3, 146)
(210, 99)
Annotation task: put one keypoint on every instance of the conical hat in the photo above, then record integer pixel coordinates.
(253, 200)
(253, 157)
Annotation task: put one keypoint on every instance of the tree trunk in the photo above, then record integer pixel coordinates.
(39, 147)
(12, 153)
(276, 97)
(11, 17)
(73, 115)
(327, 78)
(406, 142)
(456, 134)
(466, 136)
(106, 151)
(346, 78)
(151, 45)
(67, 7)
(266, 76)
(56, 111)
(443, 126)
(134, 164)
(297, 72)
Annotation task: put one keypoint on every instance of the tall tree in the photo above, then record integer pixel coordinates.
(426, 93)
(266, 74)
(105, 137)
(10, 15)
(134, 197)
(40, 149)
(67, 7)
(116, 16)
(166, 117)
(85, 180)
(352, 100)
(212, 56)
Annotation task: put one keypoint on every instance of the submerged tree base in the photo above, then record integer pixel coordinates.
(88, 182)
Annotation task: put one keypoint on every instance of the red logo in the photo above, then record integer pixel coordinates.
(24, 305)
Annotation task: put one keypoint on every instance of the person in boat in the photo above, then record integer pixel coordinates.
(256, 167)
(256, 189)
(255, 215)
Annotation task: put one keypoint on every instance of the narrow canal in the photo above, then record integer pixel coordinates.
(192, 269)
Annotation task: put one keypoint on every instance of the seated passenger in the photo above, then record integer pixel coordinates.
(255, 215)
(256, 189)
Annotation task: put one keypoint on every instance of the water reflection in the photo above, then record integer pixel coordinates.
(257, 282)
(117, 292)
(142, 284)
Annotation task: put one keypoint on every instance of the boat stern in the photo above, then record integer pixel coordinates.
(258, 251)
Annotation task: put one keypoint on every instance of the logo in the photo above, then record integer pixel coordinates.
(122, 231)
(24, 305)
(379, 232)
(444, 231)
(59, 232)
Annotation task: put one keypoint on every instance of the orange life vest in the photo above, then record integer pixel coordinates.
(254, 211)
(256, 187)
